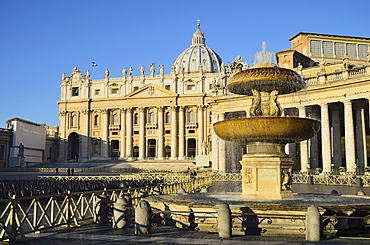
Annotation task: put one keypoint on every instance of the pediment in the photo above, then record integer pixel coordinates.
(151, 90)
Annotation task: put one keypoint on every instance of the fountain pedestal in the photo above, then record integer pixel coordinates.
(266, 172)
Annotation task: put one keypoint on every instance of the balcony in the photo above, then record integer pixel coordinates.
(114, 127)
(191, 125)
(151, 126)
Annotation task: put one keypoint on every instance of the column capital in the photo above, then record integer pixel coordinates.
(104, 111)
(201, 107)
(347, 102)
(62, 113)
(181, 108)
(85, 111)
(174, 108)
(129, 109)
(323, 104)
(122, 110)
(141, 109)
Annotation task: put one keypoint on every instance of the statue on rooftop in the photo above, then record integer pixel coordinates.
(346, 62)
(161, 70)
(88, 74)
(142, 70)
(152, 69)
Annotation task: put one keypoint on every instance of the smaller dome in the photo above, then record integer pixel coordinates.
(198, 57)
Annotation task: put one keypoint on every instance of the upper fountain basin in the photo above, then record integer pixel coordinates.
(267, 129)
(266, 77)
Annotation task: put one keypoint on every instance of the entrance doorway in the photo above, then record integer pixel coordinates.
(151, 147)
(115, 149)
(136, 152)
(167, 151)
(73, 147)
(192, 148)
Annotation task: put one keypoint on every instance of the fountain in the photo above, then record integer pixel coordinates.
(266, 168)
(267, 199)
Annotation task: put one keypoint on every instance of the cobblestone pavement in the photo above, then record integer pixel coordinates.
(104, 234)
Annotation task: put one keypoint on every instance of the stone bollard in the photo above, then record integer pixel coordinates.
(142, 218)
(359, 182)
(101, 209)
(224, 221)
(313, 224)
(121, 213)
(361, 193)
(310, 180)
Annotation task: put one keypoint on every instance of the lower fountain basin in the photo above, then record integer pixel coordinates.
(267, 129)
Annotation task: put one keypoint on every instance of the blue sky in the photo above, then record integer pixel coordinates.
(41, 39)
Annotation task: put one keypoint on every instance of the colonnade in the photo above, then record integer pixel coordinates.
(340, 120)
(340, 144)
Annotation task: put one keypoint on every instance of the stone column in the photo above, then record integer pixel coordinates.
(129, 132)
(221, 149)
(360, 138)
(181, 132)
(85, 134)
(336, 138)
(215, 139)
(304, 145)
(105, 134)
(142, 132)
(160, 133)
(174, 132)
(123, 134)
(200, 129)
(325, 138)
(63, 136)
(349, 137)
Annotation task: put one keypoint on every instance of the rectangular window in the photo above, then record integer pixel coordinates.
(315, 47)
(327, 48)
(191, 131)
(136, 88)
(114, 133)
(339, 49)
(351, 50)
(190, 87)
(114, 91)
(75, 91)
(362, 50)
(2, 152)
(167, 131)
(136, 132)
(97, 91)
(168, 87)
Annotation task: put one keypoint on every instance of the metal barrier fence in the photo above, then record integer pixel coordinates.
(22, 215)
(331, 179)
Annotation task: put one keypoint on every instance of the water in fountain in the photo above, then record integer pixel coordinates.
(264, 56)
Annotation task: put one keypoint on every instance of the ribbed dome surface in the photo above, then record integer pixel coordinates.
(198, 56)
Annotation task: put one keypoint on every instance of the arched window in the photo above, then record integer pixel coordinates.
(96, 120)
(136, 118)
(151, 117)
(191, 116)
(74, 121)
(168, 117)
(115, 119)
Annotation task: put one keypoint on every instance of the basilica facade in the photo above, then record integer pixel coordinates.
(169, 117)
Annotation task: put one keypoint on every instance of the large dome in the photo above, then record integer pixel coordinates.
(197, 57)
